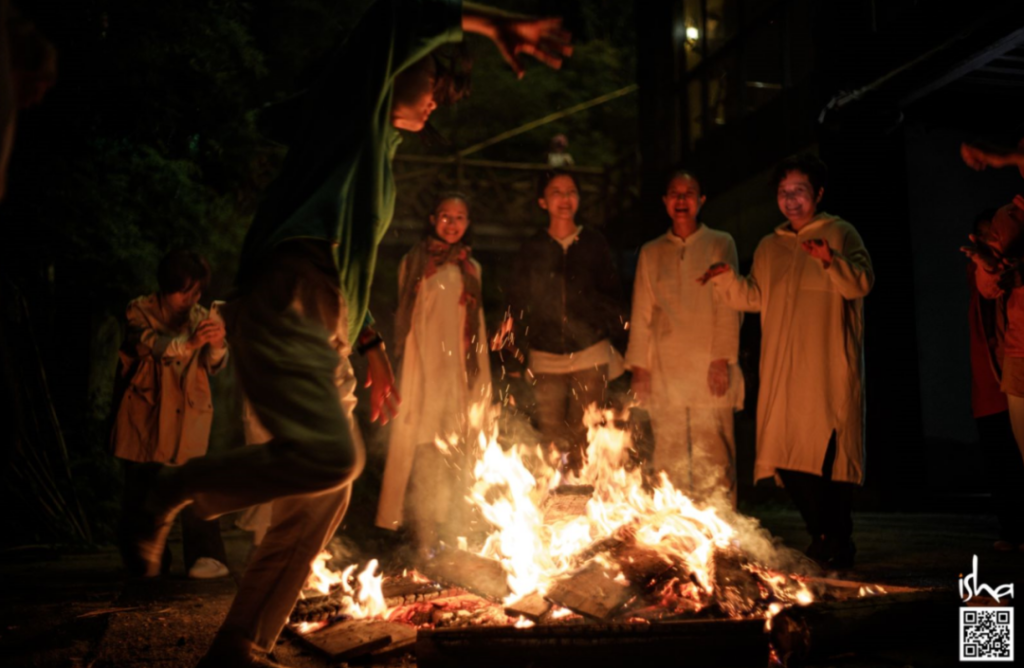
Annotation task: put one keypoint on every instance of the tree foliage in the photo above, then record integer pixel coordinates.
(170, 118)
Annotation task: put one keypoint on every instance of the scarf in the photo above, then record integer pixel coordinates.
(423, 262)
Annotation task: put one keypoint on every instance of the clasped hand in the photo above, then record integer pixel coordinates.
(208, 331)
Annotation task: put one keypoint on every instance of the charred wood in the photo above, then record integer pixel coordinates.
(592, 591)
(533, 607)
(480, 575)
(823, 629)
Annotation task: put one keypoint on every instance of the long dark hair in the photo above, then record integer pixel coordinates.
(453, 81)
(180, 269)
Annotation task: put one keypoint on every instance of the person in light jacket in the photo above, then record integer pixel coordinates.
(165, 410)
(808, 282)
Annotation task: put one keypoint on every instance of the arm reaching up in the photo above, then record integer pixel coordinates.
(515, 35)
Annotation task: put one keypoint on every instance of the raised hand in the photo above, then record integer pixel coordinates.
(981, 254)
(384, 397)
(207, 331)
(543, 39)
(717, 269)
(718, 377)
(978, 156)
(818, 248)
(641, 385)
(515, 35)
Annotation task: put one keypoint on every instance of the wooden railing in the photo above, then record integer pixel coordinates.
(503, 196)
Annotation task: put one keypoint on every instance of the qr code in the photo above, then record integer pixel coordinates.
(986, 634)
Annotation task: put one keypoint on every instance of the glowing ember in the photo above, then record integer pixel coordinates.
(302, 628)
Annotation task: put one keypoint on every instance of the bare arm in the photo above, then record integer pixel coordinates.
(515, 34)
(981, 155)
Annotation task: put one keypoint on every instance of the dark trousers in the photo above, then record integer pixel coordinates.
(1005, 470)
(562, 400)
(825, 505)
(199, 537)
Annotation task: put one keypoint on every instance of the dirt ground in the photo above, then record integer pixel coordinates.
(79, 610)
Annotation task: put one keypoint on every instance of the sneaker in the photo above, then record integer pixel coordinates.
(207, 568)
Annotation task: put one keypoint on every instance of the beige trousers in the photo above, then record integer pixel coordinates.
(288, 335)
(696, 447)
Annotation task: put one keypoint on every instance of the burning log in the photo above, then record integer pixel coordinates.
(827, 628)
(404, 592)
(354, 638)
(643, 566)
(566, 503)
(737, 592)
(532, 607)
(319, 609)
(592, 591)
(704, 643)
(480, 575)
(399, 592)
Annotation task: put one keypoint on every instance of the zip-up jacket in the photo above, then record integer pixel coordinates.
(565, 300)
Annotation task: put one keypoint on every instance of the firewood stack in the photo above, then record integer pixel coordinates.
(616, 578)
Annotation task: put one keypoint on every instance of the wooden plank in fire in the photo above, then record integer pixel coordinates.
(532, 606)
(354, 638)
(591, 591)
(479, 575)
(404, 591)
(642, 565)
(566, 503)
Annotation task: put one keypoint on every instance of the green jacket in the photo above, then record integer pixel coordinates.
(337, 183)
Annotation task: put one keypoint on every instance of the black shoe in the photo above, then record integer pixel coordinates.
(142, 534)
(817, 551)
(840, 554)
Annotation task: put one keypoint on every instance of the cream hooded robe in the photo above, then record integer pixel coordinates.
(812, 347)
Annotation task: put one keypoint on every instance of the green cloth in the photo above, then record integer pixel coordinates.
(336, 183)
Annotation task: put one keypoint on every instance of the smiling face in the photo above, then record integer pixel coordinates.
(682, 203)
(797, 199)
(561, 198)
(413, 99)
(450, 220)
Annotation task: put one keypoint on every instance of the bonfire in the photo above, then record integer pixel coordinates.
(603, 544)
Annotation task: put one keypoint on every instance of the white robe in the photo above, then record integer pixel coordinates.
(812, 347)
(678, 327)
(435, 396)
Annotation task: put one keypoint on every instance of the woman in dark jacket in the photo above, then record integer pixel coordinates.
(566, 305)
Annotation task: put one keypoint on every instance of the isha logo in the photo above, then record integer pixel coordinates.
(971, 587)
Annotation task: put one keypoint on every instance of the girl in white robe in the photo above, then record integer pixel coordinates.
(440, 336)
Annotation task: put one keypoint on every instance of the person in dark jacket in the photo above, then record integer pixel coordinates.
(567, 311)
